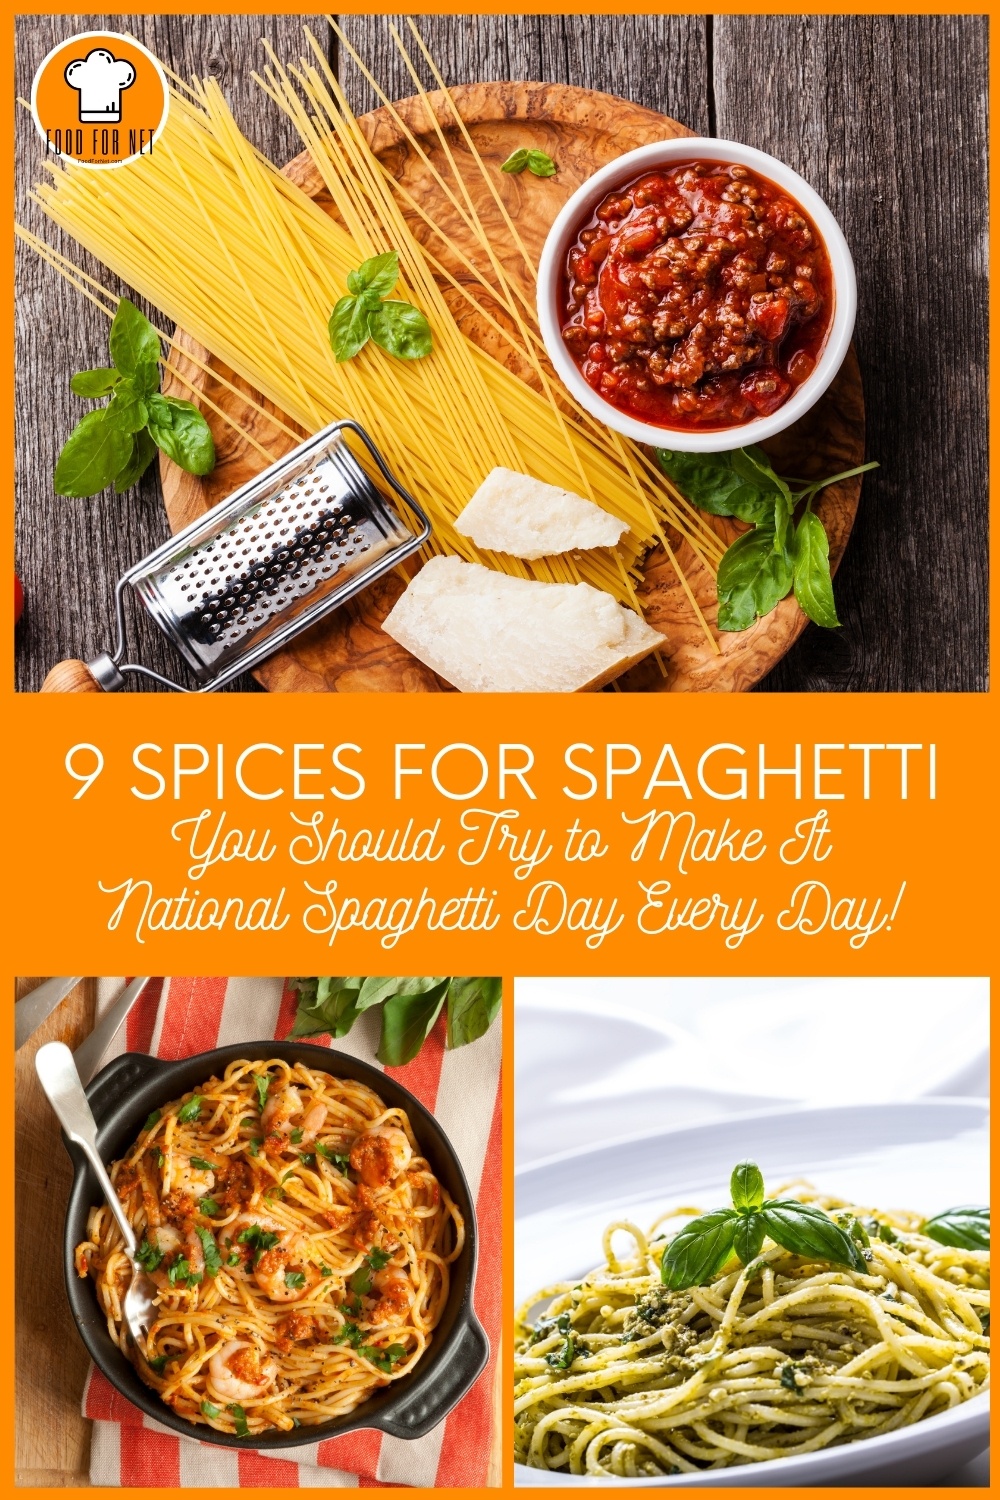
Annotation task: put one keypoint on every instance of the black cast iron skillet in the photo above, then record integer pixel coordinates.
(121, 1097)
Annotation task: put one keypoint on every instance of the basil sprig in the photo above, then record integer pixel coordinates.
(116, 444)
(703, 1247)
(966, 1228)
(538, 163)
(397, 327)
(410, 1006)
(779, 555)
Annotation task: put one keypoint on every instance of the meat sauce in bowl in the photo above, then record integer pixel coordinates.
(697, 296)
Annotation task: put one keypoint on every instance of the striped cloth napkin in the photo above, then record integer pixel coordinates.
(178, 1017)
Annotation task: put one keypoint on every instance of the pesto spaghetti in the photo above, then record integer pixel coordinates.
(299, 1242)
(634, 1372)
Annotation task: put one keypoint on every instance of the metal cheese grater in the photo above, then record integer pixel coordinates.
(282, 552)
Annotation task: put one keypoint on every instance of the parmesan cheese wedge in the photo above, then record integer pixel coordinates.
(486, 632)
(514, 513)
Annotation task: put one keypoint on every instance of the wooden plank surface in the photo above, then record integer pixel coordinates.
(884, 114)
(52, 1438)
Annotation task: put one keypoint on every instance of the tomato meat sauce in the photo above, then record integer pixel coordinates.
(697, 296)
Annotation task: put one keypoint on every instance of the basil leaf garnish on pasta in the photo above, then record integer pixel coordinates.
(700, 1250)
(748, 1238)
(966, 1228)
(262, 1083)
(806, 1230)
(747, 1185)
(189, 1111)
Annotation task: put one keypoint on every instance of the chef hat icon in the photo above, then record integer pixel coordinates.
(100, 79)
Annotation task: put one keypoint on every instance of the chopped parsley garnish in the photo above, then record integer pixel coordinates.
(254, 1147)
(189, 1111)
(153, 1119)
(263, 1083)
(234, 1259)
(334, 1157)
(240, 1418)
(213, 1260)
(209, 1206)
(294, 1280)
(325, 1270)
(361, 1281)
(308, 1158)
(383, 1359)
(289, 1173)
(148, 1256)
(160, 1158)
(296, 1136)
(349, 1334)
(158, 1363)
(274, 1192)
(201, 1164)
(258, 1239)
(181, 1274)
(208, 1410)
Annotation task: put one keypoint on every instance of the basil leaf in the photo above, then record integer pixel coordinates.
(91, 383)
(700, 1250)
(189, 1111)
(153, 1119)
(753, 575)
(143, 453)
(348, 328)
(127, 408)
(473, 1005)
(378, 275)
(401, 330)
(201, 1164)
(406, 1024)
(748, 1238)
(811, 571)
(374, 990)
(181, 431)
(713, 482)
(806, 1230)
(966, 1228)
(517, 161)
(540, 164)
(158, 1364)
(747, 1185)
(213, 1260)
(146, 377)
(329, 1005)
(562, 1356)
(208, 1410)
(134, 341)
(96, 450)
(262, 1083)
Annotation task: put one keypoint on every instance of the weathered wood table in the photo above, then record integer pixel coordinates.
(884, 115)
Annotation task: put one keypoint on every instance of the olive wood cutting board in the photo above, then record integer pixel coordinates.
(581, 130)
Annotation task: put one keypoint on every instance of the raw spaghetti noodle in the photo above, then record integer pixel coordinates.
(299, 1242)
(623, 1378)
(249, 265)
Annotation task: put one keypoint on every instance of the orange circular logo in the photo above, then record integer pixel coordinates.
(100, 99)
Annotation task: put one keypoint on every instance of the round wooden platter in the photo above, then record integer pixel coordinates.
(581, 130)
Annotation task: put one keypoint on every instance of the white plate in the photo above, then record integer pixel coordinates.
(926, 1155)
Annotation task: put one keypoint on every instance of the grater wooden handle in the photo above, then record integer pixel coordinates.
(70, 677)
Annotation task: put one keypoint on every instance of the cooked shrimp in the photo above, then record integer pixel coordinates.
(380, 1155)
(195, 1181)
(237, 1373)
(396, 1294)
(282, 1275)
(285, 1112)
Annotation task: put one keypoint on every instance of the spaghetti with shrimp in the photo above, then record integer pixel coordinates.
(299, 1242)
(623, 1378)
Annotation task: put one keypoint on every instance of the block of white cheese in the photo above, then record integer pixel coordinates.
(485, 632)
(517, 514)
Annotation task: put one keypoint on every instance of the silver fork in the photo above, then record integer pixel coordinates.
(64, 1091)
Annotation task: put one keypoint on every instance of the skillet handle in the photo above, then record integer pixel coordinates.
(117, 1078)
(455, 1376)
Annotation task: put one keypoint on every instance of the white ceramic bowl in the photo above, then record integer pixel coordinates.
(925, 1154)
(662, 153)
